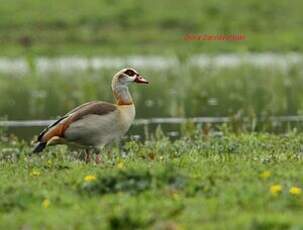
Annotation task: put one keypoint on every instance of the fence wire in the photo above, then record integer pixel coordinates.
(169, 120)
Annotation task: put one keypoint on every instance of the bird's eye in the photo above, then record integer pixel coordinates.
(130, 72)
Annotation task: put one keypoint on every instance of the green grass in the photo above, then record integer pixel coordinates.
(54, 27)
(209, 181)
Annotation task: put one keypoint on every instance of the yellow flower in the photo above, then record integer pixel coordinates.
(120, 165)
(46, 203)
(275, 189)
(295, 190)
(265, 174)
(175, 195)
(34, 173)
(90, 178)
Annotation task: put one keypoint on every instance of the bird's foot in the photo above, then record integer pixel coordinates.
(98, 160)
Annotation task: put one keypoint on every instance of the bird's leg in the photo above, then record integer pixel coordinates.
(87, 156)
(121, 149)
(98, 160)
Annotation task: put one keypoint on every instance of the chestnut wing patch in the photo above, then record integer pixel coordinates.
(44, 131)
(58, 127)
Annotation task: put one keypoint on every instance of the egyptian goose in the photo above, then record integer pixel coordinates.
(97, 123)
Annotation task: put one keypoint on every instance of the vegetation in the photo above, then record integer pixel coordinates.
(227, 181)
(217, 177)
(53, 27)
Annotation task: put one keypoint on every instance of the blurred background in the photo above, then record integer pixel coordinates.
(56, 55)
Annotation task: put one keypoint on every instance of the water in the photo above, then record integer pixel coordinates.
(77, 63)
(143, 128)
(71, 64)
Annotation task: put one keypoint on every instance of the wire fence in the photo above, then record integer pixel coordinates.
(173, 120)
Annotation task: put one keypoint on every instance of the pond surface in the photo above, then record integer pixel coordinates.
(77, 63)
(223, 85)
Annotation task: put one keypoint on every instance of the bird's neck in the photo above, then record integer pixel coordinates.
(122, 95)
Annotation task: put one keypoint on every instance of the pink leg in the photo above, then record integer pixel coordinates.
(98, 159)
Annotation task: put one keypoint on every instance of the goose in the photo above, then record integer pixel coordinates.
(94, 124)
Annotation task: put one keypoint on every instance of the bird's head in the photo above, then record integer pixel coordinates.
(126, 76)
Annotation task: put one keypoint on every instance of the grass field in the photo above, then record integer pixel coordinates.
(230, 176)
(54, 27)
(228, 181)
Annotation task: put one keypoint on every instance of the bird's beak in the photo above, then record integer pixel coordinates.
(139, 79)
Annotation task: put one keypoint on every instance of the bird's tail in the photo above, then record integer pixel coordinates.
(39, 147)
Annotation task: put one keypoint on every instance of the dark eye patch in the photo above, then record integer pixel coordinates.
(130, 72)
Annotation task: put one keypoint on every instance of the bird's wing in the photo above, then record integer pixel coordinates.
(82, 106)
(58, 128)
